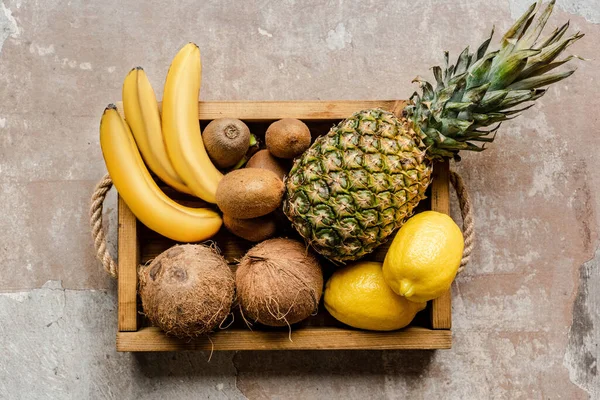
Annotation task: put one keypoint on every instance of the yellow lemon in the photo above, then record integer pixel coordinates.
(424, 257)
(357, 295)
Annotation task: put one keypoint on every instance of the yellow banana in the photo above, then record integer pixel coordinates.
(141, 113)
(181, 127)
(139, 191)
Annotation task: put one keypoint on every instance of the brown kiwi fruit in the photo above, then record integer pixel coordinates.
(264, 159)
(287, 138)
(249, 193)
(226, 141)
(252, 229)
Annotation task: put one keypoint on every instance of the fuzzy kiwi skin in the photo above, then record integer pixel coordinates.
(287, 138)
(226, 140)
(252, 229)
(249, 193)
(265, 160)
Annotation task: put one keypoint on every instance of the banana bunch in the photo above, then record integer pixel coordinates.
(170, 146)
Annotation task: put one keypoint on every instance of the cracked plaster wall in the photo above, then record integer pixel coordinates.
(525, 311)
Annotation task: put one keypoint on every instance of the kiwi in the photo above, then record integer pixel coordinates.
(253, 229)
(249, 193)
(287, 138)
(265, 160)
(226, 140)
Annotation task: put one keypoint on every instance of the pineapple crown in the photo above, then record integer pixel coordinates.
(483, 88)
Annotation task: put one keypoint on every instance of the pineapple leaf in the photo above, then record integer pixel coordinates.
(479, 133)
(472, 147)
(475, 94)
(507, 72)
(437, 73)
(484, 88)
(555, 36)
(451, 144)
(491, 100)
(454, 125)
(484, 46)
(479, 71)
(531, 36)
(517, 27)
(450, 71)
(436, 152)
(554, 65)
(446, 94)
(482, 120)
(525, 29)
(458, 106)
(513, 112)
(446, 66)
(548, 55)
(483, 139)
(458, 80)
(515, 97)
(428, 92)
(541, 80)
(463, 61)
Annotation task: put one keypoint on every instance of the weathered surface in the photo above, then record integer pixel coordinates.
(526, 317)
(59, 343)
(584, 336)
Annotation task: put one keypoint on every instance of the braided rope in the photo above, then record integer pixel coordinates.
(464, 203)
(96, 222)
(102, 188)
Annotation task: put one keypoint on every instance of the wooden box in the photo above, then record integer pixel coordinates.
(137, 244)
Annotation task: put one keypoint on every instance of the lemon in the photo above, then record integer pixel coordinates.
(424, 257)
(357, 295)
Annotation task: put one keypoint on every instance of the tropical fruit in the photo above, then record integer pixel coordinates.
(424, 257)
(361, 181)
(357, 295)
(141, 194)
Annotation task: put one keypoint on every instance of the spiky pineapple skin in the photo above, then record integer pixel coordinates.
(357, 184)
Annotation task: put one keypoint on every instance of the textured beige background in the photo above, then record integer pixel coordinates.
(525, 311)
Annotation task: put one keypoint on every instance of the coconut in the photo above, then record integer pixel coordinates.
(279, 282)
(187, 290)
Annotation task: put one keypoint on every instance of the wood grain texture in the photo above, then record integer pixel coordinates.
(137, 243)
(273, 110)
(128, 262)
(441, 310)
(153, 339)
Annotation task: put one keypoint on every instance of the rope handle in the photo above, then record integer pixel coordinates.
(98, 233)
(466, 211)
(102, 188)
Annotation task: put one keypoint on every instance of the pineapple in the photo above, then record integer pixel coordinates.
(360, 182)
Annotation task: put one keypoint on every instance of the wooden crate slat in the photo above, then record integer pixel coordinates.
(266, 110)
(441, 310)
(272, 110)
(153, 339)
(128, 262)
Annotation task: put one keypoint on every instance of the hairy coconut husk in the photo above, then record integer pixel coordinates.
(279, 282)
(187, 290)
